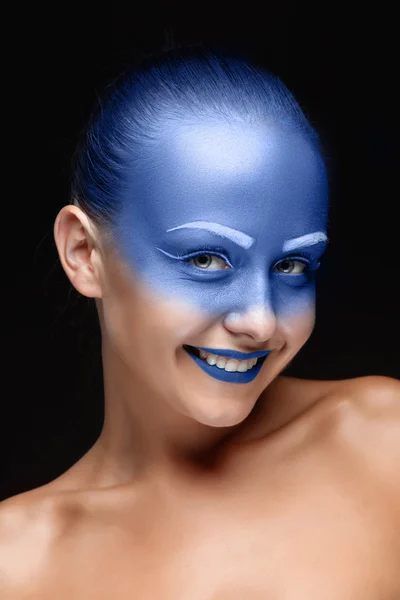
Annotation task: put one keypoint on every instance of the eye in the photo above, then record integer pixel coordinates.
(204, 261)
(290, 266)
(203, 258)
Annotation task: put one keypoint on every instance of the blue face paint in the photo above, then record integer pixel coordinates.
(226, 217)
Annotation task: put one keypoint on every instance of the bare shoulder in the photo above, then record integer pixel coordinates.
(27, 524)
(379, 394)
(360, 418)
(378, 401)
(376, 397)
(31, 525)
(308, 403)
(360, 414)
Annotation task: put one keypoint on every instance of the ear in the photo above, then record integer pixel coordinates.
(78, 245)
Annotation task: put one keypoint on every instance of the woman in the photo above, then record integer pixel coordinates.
(198, 219)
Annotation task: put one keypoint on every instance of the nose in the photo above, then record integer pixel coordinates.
(258, 322)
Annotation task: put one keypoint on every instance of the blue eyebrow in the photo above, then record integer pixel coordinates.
(310, 239)
(237, 237)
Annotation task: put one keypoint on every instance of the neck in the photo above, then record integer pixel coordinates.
(143, 436)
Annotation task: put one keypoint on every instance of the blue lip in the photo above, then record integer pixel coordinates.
(235, 353)
(228, 377)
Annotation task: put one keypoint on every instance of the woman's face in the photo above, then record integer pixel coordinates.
(218, 241)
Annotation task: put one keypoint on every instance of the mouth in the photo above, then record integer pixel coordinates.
(220, 373)
(226, 353)
(192, 350)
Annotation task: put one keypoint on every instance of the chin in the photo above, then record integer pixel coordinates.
(219, 410)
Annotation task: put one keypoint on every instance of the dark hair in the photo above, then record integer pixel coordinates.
(187, 83)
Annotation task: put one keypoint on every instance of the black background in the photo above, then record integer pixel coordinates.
(339, 60)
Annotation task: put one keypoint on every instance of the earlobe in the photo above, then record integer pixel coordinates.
(77, 251)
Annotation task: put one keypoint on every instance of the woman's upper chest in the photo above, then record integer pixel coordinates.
(314, 524)
(313, 548)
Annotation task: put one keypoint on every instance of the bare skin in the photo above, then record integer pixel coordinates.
(301, 505)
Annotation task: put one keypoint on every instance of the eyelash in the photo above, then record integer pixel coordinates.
(221, 253)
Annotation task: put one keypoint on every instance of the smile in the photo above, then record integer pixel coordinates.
(219, 372)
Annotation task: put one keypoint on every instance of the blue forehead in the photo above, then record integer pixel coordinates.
(266, 183)
(260, 189)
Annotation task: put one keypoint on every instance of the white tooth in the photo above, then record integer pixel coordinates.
(211, 359)
(231, 365)
(221, 362)
(243, 366)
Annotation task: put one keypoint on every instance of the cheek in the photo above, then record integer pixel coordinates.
(177, 320)
(297, 328)
(142, 323)
(295, 302)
